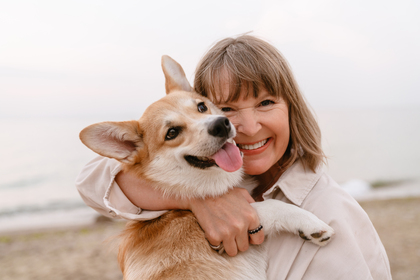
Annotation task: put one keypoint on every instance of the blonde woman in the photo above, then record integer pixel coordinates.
(252, 83)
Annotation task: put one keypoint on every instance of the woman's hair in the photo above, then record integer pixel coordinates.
(253, 64)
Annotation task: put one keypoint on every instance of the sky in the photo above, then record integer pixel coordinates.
(102, 58)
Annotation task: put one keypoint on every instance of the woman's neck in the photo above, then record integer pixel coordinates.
(267, 180)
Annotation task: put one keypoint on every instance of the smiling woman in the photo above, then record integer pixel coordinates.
(253, 84)
(250, 81)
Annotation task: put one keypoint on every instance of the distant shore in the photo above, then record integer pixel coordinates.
(67, 218)
(80, 253)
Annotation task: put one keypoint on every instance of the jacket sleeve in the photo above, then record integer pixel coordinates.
(98, 189)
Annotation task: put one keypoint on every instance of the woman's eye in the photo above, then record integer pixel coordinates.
(172, 133)
(267, 102)
(201, 107)
(226, 109)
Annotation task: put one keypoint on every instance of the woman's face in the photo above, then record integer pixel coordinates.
(262, 126)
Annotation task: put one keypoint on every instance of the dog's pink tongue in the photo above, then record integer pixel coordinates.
(228, 158)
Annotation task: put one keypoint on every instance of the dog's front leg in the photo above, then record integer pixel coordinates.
(277, 216)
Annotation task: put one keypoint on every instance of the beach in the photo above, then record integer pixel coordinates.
(89, 252)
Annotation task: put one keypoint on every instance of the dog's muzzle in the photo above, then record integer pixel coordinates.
(220, 127)
(227, 156)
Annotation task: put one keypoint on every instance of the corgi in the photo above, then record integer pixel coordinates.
(184, 144)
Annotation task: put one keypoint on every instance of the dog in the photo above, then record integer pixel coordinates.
(184, 144)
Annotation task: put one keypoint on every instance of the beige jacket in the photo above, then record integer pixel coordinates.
(355, 252)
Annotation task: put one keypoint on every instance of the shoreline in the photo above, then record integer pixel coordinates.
(84, 216)
(97, 221)
(48, 220)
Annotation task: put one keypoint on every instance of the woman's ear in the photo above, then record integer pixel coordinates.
(174, 76)
(119, 140)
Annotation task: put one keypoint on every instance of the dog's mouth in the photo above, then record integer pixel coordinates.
(200, 162)
(228, 157)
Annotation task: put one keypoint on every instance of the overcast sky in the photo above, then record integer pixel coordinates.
(82, 57)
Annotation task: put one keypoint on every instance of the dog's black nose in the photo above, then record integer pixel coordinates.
(220, 127)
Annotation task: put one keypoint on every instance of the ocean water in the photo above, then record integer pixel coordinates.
(372, 144)
(40, 161)
(42, 157)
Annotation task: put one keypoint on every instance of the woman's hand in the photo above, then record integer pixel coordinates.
(227, 219)
(224, 219)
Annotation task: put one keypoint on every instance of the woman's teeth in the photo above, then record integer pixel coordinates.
(254, 146)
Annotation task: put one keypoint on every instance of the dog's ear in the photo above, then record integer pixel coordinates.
(174, 76)
(118, 140)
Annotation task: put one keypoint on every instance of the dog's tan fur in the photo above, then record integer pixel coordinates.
(173, 246)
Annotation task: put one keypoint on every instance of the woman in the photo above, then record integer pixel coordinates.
(251, 82)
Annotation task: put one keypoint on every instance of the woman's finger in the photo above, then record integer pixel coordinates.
(230, 247)
(257, 238)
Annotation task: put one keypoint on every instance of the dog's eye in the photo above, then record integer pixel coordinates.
(172, 133)
(201, 107)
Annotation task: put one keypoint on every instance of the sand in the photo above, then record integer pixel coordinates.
(80, 253)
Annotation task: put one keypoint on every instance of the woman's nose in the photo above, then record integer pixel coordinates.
(247, 122)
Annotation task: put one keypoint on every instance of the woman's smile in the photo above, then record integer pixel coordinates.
(254, 148)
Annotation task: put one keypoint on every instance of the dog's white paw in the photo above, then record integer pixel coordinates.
(318, 233)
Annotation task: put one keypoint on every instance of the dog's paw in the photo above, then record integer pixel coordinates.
(320, 234)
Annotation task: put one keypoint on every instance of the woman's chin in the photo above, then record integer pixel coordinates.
(255, 169)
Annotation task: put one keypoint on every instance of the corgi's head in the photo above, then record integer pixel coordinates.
(182, 142)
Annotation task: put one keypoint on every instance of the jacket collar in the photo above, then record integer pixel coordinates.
(295, 183)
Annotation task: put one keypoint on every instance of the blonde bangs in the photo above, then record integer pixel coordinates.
(242, 68)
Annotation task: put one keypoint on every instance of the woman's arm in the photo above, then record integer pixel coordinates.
(141, 193)
(98, 189)
(224, 219)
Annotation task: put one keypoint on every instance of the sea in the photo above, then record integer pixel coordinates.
(41, 158)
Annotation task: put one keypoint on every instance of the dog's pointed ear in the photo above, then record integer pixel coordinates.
(118, 140)
(174, 76)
